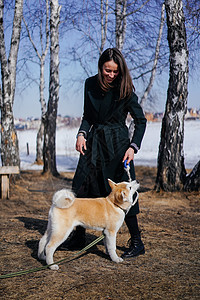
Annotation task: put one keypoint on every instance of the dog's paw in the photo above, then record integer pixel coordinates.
(118, 259)
(54, 267)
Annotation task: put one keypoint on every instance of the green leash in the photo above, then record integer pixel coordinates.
(58, 262)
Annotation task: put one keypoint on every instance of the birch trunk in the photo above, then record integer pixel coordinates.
(120, 26)
(49, 153)
(193, 179)
(171, 171)
(104, 24)
(41, 57)
(40, 134)
(9, 140)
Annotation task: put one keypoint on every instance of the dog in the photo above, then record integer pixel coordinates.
(104, 214)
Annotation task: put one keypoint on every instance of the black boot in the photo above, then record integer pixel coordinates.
(136, 245)
(77, 240)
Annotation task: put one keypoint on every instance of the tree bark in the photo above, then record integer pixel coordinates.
(41, 57)
(192, 182)
(9, 140)
(49, 153)
(104, 24)
(40, 134)
(40, 144)
(171, 173)
(120, 25)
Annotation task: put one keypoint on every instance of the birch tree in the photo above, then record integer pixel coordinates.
(104, 24)
(120, 23)
(41, 55)
(121, 15)
(171, 171)
(9, 140)
(49, 154)
(192, 182)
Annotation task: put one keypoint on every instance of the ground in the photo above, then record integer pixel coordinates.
(169, 224)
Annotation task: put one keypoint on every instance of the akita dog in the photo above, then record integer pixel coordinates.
(104, 214)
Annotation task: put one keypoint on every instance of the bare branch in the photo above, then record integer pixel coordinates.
(153, 73)
(30, 38)
(138, 9)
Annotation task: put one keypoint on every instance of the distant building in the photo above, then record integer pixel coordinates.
(72, 122)
(154, 117)
(149, 117)
(192, 114)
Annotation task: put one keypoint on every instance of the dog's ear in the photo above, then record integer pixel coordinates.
(123, 195)
(119, 197)
(112, 184)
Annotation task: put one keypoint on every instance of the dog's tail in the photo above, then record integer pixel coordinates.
(63, 198)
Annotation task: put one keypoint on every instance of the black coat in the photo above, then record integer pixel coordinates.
(107, 140)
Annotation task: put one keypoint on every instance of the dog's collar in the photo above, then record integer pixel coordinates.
(124, 210)
(135, 200)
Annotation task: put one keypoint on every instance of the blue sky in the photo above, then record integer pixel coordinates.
(26, 103)
(71, 100)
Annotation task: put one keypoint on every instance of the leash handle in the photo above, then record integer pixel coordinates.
(127, 169)
(126, 165)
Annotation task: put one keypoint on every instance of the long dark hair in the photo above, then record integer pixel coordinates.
(123, 81)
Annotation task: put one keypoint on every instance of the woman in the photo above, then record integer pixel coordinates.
(103, 140)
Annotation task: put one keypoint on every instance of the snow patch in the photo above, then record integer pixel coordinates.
(67, 156)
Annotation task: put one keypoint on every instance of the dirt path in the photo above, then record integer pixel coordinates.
(170, 230)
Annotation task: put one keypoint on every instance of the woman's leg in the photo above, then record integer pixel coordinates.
(77, 240)
(136, 245)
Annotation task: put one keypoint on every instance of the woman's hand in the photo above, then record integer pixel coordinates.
(129, 155)
(81, 144)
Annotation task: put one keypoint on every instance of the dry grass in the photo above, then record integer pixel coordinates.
(168, 270)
